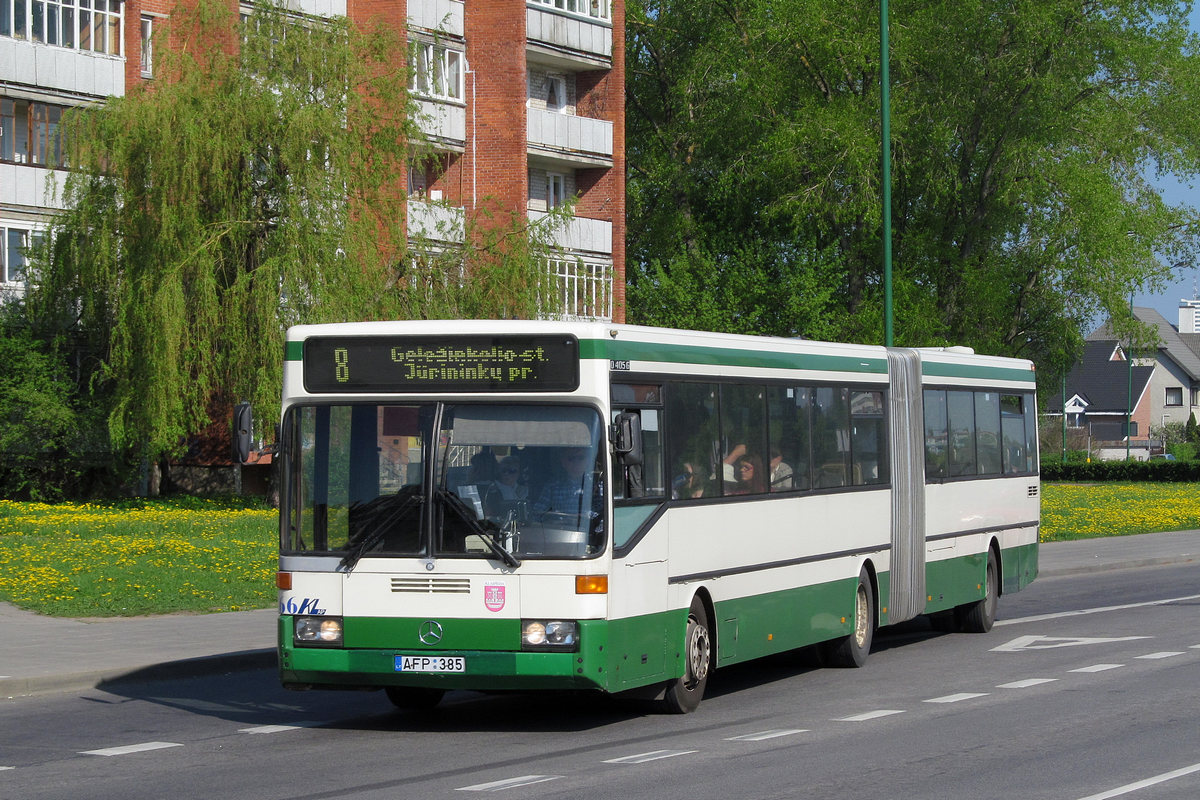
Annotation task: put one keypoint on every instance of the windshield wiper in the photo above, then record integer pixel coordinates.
(453, 501)
(375, 519)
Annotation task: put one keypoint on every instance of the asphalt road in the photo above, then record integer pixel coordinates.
(1086, 689)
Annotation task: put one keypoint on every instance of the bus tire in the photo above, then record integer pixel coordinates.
(978, 617)
(852, 650)
(684, 693)
(414, 698)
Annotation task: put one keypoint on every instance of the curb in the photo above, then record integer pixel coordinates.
(1110, 566)
(100, 679)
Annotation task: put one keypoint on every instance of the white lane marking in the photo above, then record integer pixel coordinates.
(130, 748)
(279, 728)
(1162, 654)
(1025, 684)
(1098, 668)
(762, 735)
(508, 783)
(4, 768)
(653, 755)
(1133, 787)
(869, 715)
(957, 698)
(1194, 647)
(1101, 610)
(1050, 642)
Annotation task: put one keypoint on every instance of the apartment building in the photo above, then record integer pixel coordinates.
(523, 101)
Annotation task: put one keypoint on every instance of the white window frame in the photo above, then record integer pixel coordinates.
(6, 253)
(592, 9)
(437, 72)
(147, 54)
(556, 190)
(67, 23)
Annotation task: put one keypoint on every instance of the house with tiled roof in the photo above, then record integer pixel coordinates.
(1150, 387)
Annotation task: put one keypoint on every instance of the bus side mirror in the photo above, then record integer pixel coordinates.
(243, 432)
(626, 436)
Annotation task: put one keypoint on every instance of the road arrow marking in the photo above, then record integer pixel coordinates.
(1049, 642)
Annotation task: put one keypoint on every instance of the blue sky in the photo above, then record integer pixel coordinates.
(1187, 281)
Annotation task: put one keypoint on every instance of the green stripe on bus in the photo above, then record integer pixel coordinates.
(722, 356)
(293, 351)
(976, 371)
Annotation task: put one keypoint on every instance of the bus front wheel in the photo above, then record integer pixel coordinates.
(684, 693)
(852, 650)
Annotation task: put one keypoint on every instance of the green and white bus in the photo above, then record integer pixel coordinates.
(525, 505)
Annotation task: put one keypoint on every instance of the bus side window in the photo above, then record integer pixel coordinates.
(645, 479)
(692, 440)
(831, 436)
(936, 452)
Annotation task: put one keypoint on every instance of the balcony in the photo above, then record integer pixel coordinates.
(319, 8)
(25, 187)
(61, 68)
(443, 16)
(574, 42)
(580, 234)
(568, 139)
(445, 123)
(435, 222)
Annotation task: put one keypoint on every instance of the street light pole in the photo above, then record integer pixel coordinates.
(886, 159)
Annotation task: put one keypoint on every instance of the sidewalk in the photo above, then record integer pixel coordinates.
(46, 654)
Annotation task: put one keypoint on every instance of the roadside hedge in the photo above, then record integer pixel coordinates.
(1098, 471)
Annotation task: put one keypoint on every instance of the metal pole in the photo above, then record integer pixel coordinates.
(886, 158)
(1129, 399)
(1064, 418)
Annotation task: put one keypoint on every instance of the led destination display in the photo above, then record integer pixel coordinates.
(445, 364)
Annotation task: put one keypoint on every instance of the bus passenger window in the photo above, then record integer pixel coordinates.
(868, 439)
(987, 432)
(961, 409)
(692, 440)
(788, 433)
(936, 451)
(1012, 431)
(830, 436)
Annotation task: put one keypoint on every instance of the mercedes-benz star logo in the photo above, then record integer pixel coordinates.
(430, 632)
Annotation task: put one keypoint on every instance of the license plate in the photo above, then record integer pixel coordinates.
(431, 664)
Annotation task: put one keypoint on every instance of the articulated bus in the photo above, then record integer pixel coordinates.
(524, 505)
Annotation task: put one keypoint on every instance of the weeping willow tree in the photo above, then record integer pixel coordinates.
(259, 184)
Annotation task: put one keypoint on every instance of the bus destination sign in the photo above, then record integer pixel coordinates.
(500, 363)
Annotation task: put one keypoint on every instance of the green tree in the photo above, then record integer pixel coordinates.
(1191, 432)
(1023, 132)
(260, 183)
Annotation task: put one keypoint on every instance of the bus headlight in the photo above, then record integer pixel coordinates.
(540, 634)
(318, 631)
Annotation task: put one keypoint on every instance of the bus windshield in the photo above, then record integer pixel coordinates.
(444, 480)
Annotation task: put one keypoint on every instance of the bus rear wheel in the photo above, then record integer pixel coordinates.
(852, 650)
(414, 698)
(685, 692)
(978, 617)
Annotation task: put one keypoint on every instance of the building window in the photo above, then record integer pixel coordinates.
(1174, 395)
(437, 73)
(597, 9)
(147, 32)
(13, 258)
(1195, 397)
(83, 24)
(555, 190)
(30, 133)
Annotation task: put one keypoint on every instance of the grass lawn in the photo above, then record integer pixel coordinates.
(138, 557)
(202, 555)
(1085, 511)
